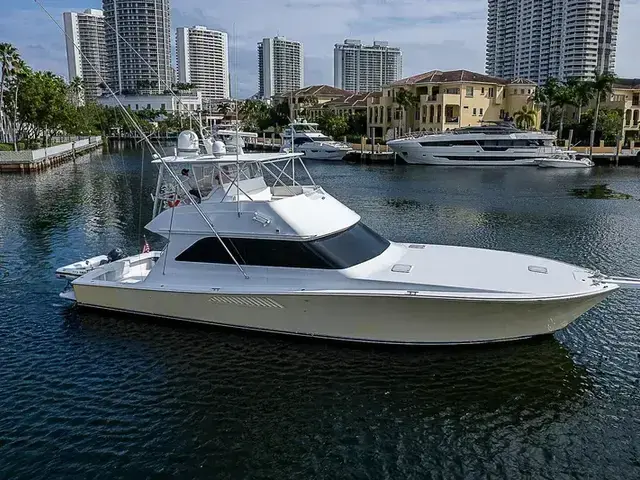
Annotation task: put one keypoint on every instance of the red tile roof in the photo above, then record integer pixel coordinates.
(318, 91)
(353, 100)
(627, 83)
(438, 76)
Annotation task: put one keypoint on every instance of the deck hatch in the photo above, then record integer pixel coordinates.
(402, 268)
(536, 269)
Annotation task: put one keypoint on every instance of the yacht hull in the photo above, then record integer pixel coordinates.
(554, 163)
(326, 156)
(465, 160)
(410, 320)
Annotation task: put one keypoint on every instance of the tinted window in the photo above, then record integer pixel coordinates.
(301, 140)
(350, 247)
(341, 250)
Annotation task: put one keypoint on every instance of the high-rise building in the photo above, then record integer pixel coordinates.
(365, 68)
(138, 34)
(86, 50)
(280, 66)
(203, 60)
(551, 38)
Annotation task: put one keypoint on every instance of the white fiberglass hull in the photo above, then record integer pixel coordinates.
(559, 163)
(452, 159)
(392, 319)
(337, 155)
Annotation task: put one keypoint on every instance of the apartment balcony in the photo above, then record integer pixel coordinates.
(450, 98)
(424, 99)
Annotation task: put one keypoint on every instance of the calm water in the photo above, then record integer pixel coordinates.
(92, 395)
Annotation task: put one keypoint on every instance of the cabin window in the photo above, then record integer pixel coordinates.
(344, 249)
(301, 140)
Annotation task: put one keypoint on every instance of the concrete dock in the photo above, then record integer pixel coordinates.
(27, 161)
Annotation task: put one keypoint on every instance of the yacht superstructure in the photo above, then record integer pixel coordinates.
(491, 144)
(249, 245)
(312, 143)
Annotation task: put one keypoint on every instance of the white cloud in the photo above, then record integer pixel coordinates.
(432, 33)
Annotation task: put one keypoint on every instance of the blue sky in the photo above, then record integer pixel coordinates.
(432, 33)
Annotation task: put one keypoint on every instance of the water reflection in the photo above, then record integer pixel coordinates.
(600, 192)
(537, 375)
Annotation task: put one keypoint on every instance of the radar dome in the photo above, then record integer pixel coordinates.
(188, 143)
(218, 149)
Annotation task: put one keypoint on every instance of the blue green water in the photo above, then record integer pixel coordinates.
(92, 395)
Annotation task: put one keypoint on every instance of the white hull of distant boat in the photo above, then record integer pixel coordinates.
(323, 152)
(452, 158)
(312, 143)
(564, 162)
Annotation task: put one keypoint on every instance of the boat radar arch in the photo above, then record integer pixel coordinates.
(188, 143)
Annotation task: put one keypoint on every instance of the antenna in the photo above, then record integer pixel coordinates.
(146, 139)
(235, 67)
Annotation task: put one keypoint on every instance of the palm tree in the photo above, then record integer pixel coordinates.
(20, 71)
(547, 94)
(602, 85)
(76, 87)
(9, 56)
(563, 96)
(406, 99)
(582, 94)
(526, 117)
(224, 108)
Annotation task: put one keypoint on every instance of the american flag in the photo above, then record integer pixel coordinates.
(146, 248)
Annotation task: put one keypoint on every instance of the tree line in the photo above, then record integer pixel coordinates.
(588, 124)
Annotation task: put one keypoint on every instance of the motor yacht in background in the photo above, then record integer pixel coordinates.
(258, 249)
(565, 159)
(490, 144)
(312, 143)
(232, 137)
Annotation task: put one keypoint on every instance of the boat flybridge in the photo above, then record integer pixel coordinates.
(311, 142)
(254, 243)
(488, 144)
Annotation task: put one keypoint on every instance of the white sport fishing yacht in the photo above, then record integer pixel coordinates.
(490, 144)
(257, 249)
(312, 143)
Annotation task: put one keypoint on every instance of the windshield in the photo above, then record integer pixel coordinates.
(345, 249)
(350, 247)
